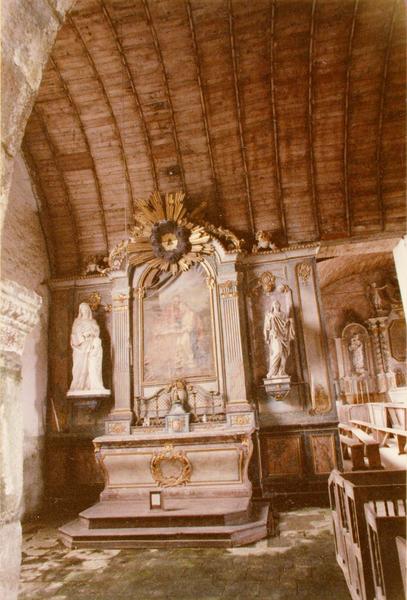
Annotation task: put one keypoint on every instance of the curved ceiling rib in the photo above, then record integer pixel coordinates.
(85, 139)
(315, 210)
(239, 118)
(157, 47)
(204, 109)
(131, 203)
(274, 124)
(380, 120)
(348, 213)
(68, 199)
(137, 102)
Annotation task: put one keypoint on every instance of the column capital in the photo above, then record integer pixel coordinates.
(19, 313)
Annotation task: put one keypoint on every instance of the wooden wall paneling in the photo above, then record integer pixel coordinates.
(143, 125)
(98, 74)
(393, 148)
(348, 215)
(366, 76)
(323, 453)
(75, 111)
(211, 22)
(69, 202)
(166, 88)
(329, 72)
(216, 213)
(174, 27)
(291, 81)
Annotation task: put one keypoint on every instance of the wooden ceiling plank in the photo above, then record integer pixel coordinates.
(315, 206)
(280, 193)
(157, 47)
(131, 201)
(348, 213)
(86, 140)
(204, 109)
(68, 199)
(137, 102)
(239, 118)
(380, 120)
(43, 209)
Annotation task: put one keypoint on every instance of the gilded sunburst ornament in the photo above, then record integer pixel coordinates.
(164, 235)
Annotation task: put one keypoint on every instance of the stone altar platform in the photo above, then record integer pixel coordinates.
(205, 491)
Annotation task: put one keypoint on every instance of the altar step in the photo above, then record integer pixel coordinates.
(154, 531)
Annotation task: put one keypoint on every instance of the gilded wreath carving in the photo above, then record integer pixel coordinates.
(182, 477)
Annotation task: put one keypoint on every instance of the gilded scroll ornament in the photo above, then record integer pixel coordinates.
(304, 272)
(170, 468)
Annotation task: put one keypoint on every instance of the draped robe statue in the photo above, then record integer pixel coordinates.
(357, 355)
(278, 333)
(87, 353)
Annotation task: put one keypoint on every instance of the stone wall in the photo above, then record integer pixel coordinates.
(28, 31)
(24, 260)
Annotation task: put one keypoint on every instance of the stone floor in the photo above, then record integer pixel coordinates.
(298, 563)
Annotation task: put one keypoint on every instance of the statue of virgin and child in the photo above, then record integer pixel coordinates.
(87, 355)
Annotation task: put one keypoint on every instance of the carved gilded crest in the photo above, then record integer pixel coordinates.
(170, 468)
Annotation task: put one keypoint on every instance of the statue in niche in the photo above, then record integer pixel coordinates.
(278, 333)
(376, 298)
(357, 355)
(87, 354)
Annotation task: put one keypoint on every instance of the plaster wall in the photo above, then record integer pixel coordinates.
(24, 260)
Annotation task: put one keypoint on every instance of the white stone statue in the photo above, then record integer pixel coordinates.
(87, 354)
(278, 332)
(357, 355)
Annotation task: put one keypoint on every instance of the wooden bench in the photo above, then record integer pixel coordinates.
(356, 452)
(371, 446)
(399, 434)
(348, 494)
(401, 550)
(385, 521)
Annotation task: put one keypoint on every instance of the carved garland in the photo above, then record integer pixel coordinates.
(168, 455)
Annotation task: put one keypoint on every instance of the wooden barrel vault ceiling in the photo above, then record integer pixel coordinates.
(281, 115)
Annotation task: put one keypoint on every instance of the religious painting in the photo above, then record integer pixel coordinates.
(178, 330)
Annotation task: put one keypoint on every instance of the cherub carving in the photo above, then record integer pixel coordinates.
(264, 241)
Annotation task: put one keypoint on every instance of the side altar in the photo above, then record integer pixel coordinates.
(180, 435)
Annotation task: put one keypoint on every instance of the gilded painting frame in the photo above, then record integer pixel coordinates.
(204, 272)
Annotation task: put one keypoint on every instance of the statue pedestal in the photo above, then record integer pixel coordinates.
(278, 386)
(205, 491)
(100, 393)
